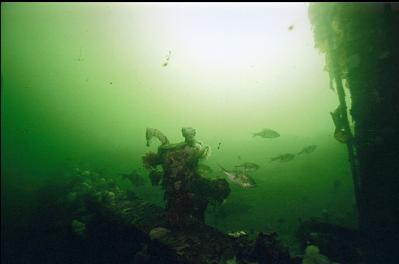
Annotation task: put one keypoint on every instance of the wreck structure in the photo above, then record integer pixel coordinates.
(360, 43)
(187, 193)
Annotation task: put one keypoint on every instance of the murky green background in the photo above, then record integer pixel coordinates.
(81, 82)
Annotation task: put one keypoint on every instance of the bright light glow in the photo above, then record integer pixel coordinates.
(237, 58)
(233, 66)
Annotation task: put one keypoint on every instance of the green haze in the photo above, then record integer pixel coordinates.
(82, 82)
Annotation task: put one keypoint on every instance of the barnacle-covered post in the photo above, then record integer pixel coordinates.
(360, 42)
(187, 194)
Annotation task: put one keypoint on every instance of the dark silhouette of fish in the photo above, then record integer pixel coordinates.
(267, 133)
(307, 150)
(248, 166)
(283, 157)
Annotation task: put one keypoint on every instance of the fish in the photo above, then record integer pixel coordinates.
(134, 177)
(248, 166)
(267, 133)
(158, 233)
(307, 150)
(239, 178)
(237, 234)
(283, 157)
(291, 27)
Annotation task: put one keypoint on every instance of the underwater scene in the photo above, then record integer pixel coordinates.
(199, 133)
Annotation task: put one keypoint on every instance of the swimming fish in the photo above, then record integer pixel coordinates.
(248, 166)
(239, 178)
(267, 133)
(307, 150)
(219, 145)
(291, 27)
(283, 157)
(237, 234)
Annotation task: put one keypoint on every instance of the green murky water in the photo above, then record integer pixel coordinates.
(81, 83)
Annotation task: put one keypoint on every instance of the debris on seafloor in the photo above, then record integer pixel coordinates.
(267, 133)
(338, 243)
(283, 157)
(98, 203)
